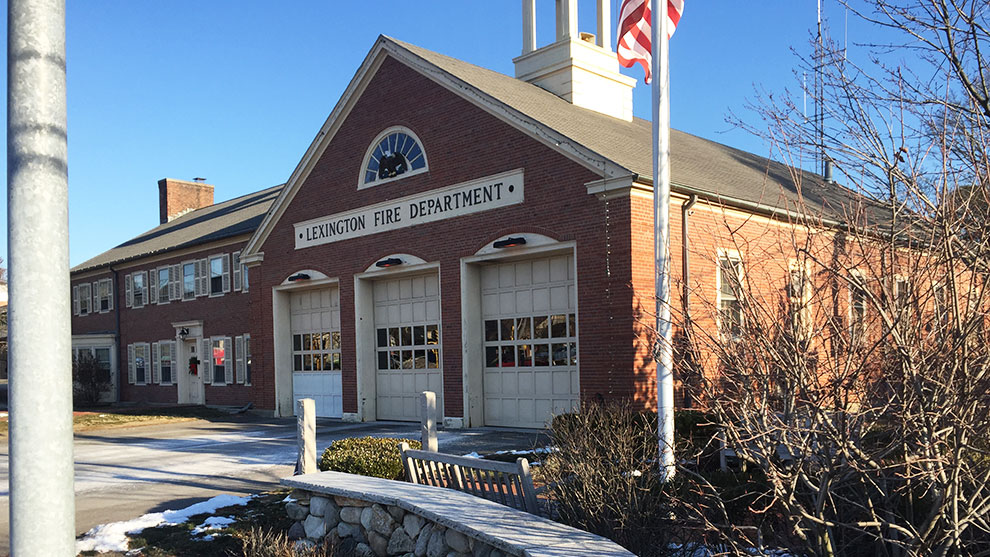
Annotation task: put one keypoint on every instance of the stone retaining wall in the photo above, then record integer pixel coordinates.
(372, 530)
(377, 517)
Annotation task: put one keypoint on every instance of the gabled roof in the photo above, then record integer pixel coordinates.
(235, 217)
(611, 147)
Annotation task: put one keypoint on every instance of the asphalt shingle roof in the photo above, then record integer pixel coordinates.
(697, 165)
(227, 219)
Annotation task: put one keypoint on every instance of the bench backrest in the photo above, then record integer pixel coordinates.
(508, 483)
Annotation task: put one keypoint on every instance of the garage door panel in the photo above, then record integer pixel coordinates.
(530, 338)
(407, 341)
(315, 331)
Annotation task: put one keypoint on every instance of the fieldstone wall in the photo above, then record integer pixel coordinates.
(371, 530)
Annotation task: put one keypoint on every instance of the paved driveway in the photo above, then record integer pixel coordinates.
(124, 473)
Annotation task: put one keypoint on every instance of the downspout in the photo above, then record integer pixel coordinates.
(686, 284)
(116, 334)
(685, 259)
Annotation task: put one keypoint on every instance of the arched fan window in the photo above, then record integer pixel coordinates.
(395, 153)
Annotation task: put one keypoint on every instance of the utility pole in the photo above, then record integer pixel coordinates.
(42, 507)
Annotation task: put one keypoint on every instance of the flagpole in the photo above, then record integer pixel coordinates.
(661, 234)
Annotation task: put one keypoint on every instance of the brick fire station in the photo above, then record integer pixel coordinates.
(450, 229)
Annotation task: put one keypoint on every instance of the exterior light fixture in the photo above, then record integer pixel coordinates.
(183, 333)
(509, 243)
(298, 276)
(390, 262)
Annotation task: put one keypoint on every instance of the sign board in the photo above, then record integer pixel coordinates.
(483, 194)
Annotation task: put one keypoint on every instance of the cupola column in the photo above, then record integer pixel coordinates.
(529, 25)
(567, 25)
(604, 39)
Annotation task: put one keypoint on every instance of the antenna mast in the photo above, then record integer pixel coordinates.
(819, 94)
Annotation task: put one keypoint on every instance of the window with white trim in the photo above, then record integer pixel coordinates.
(940, 303)
(138, 363)
(85, 295)
(730, 294)
(219, 269)
(857, 306)
(188, 280)
(396, 153)
(102, 356)
(105, 295)
(162, 285)
(221, 368)
(136, 289)
(166, 361)
(799, 299)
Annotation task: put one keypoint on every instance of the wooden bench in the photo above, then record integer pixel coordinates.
(508, 483)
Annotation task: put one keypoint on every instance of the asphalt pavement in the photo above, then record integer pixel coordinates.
(123, 473)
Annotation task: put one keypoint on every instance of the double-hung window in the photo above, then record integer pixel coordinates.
(165, 361)
(729, 295)
(219, 275)
(139, 289)
(189, 280)
(221, 354)
(105, 295)
(140, 363)
(857, 307)
(162, 285)
(85, 295)
(799, 300)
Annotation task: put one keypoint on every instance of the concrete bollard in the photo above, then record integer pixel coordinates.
(306, 436)
(428, 420)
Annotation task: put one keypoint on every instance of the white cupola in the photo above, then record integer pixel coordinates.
(579, 67)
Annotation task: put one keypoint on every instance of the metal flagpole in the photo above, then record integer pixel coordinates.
(663, 350)
(42, 509)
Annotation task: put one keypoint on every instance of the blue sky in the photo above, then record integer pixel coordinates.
(235, 91)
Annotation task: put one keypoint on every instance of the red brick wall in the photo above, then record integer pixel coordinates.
(462, 143)
(227, 315)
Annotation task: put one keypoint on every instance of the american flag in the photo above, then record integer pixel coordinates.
(634, 31)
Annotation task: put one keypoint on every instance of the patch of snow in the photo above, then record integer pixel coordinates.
(213, 523)
(538, 450)
(472, 455)
(288, 499)
(113, 536)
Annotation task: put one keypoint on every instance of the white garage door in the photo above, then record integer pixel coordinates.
(531, 362)
(407, 340)
(315, 324)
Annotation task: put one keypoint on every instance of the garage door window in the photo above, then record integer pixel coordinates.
(317, 351)
(544, 340)
(410, 347)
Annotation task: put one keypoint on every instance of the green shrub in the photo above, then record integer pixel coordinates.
(366, 456)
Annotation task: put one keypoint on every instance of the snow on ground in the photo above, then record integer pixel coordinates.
(113, 536)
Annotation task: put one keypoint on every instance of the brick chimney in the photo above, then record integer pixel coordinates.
(178, 197)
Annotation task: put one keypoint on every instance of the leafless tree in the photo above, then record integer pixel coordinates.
(855, 379)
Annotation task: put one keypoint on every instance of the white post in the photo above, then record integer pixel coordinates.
(604, 24)
(661, 234)
(428, 420)
(529, 26)
(306, 436)
(42, 507)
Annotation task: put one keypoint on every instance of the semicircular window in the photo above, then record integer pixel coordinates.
(397, 153)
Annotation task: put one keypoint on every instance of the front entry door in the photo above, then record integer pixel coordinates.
(194, 382)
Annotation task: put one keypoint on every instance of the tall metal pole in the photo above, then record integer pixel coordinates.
(42, 509)
(661, 234)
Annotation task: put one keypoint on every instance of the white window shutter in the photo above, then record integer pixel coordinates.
(144, 289)
(226, 272)
(75, 300)
(110, 293)
(131, 374)
(206, 361)
(128, 290)
(202, 277)
(228, 361)
(175, 282)
(154, 363)
(239, 362)
(153, 291)
(237, 270)
(244, 278)
(95, 303)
